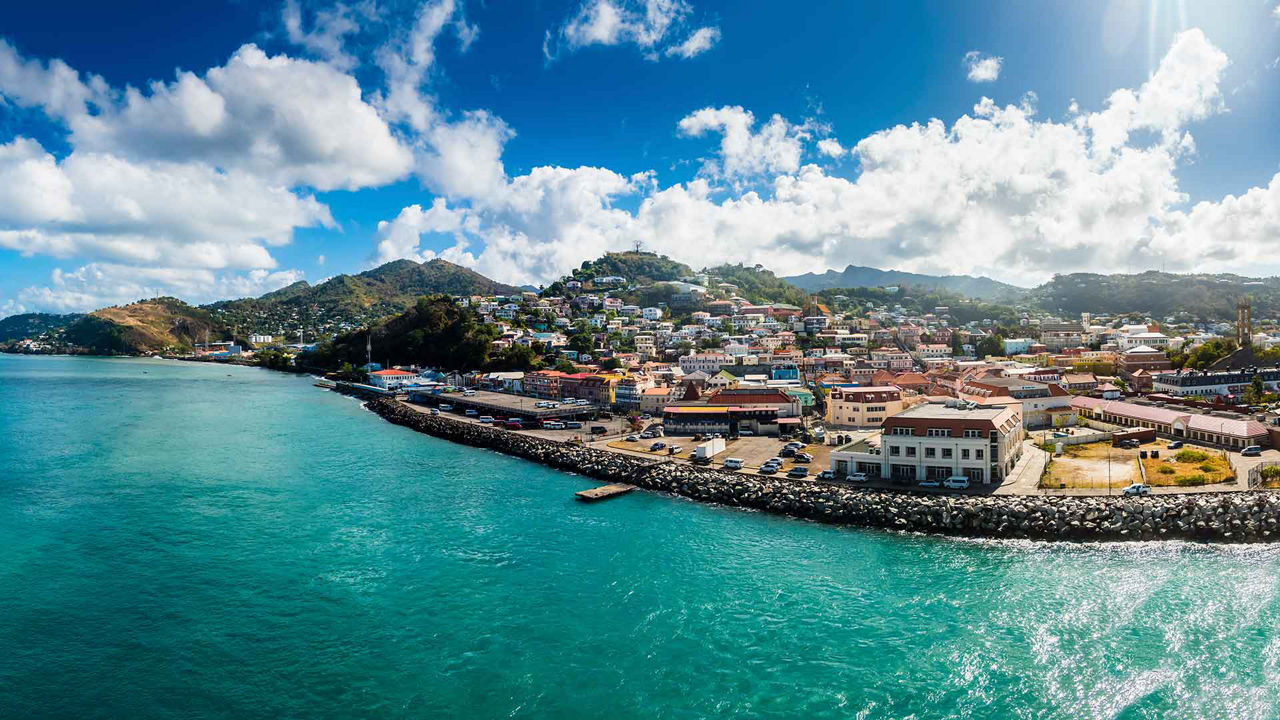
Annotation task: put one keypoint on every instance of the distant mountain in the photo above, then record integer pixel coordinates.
(145, 326)
(1205, 296)
(983, 288)
(636, 268)
(31, 325)
(357, 299)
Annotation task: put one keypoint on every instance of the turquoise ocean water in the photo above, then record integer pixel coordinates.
(190, 541)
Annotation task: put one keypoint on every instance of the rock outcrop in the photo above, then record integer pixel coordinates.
(1219, 517)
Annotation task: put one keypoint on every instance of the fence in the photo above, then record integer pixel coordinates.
(1256, 473)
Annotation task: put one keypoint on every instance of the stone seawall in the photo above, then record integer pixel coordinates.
(1219, 517)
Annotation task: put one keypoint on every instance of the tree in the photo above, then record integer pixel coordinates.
(990, 345)
(957, 347)
(1257, 390)
(563, 365)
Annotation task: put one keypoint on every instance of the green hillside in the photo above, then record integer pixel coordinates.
(155, 325)
(33, 325)
(1204, 296)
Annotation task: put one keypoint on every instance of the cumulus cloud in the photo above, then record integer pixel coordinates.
(776, 147)
(830, 147)
(998, 191)
(650, 25)
(982, 68)
(97, 285)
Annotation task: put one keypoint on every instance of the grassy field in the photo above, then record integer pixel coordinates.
(1188, 467)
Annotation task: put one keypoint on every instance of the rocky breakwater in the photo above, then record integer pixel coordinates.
(1218, 517)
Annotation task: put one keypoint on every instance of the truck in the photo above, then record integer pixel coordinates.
(709, 448)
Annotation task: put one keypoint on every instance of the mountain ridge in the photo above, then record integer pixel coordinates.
(980, 287)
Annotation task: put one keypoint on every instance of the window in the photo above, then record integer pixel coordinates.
(894, 451)
(911, 451)
(903, 431)
(939, 432)
(977, 454)
(929, 452)
(964, 453)
(973, 433)
(946, 453)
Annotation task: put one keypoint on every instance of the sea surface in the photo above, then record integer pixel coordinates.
(191, 541)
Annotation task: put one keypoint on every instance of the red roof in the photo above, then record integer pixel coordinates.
(390, 373)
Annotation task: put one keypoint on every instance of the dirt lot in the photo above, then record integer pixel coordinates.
(1086, 466)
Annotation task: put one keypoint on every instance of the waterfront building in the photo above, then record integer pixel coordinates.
(391, 379)
(859, 407)
(937, 441)
(1231, 431)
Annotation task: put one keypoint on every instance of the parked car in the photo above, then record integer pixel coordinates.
(794, 445)
(552, 425)
(568, 401)
(472, 412)
(468, 393)
(798, 472)
(856, 477)
(1137, 489)
(446, 407)
(435, 411)
(767, 469)
(486, 419)
(646, 435)
(1175, 445)
(657, 446)
(745, 433)
(673, 449)
(599, 430)
(803, 458)
(734, 463)
(633, 438)
(700, 460)
(825, 475)
(956, 482)
(646, 416)
(930, 483)
(573, 425)
(774, 461)
(1252, 451)
(787, 452)
(513, 424)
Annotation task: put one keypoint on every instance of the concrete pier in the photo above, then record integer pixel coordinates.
(604, 492)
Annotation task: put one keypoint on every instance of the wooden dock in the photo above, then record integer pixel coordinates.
(604, 492)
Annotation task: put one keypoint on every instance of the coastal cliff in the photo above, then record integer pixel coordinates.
(1216, 517)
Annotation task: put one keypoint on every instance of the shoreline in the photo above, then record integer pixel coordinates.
(1245, 517)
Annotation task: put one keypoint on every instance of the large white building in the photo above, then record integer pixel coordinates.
(708, 363)
(936, 441)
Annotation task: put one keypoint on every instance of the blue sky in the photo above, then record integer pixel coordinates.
(225, 149)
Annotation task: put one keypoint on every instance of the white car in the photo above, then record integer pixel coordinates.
(1137, 489)
(929, 483)
(956, 482)
(734, 463)
(446, 407)
(856, 477)
(468, 393)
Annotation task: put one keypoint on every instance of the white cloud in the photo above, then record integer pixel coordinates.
(180, 215)
(329, 30)
(54, 86)
(1275, 12)
(294, 122)
(999, 191)
(97, 285)
(647, 24)
(745, 152)
(700, 41)
(831, 147)
(982, 68)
